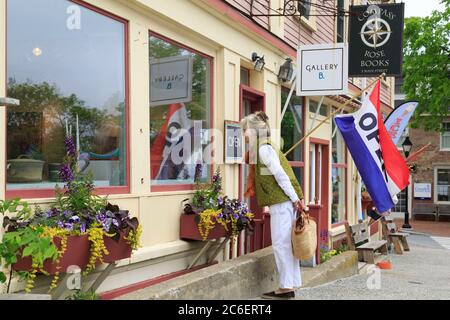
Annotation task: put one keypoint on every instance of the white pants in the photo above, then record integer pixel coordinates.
(282, 217)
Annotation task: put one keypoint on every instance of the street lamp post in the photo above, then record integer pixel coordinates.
(407, 146)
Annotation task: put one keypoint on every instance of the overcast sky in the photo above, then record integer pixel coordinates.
(421, 8)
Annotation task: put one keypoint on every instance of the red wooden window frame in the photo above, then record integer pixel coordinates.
(50, 193)
(188, 186)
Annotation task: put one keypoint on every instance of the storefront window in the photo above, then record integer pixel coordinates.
(292, 131)
(443, 184)
(445, 136)
(64, 62)
(313, 105)
(339, 174)
(180, 106)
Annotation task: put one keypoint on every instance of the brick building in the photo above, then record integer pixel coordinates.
(431, 182)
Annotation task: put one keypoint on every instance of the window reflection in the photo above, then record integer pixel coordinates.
(177, 124)
(64, 62)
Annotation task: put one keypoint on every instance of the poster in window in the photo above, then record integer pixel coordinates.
(422, 190)
(375, 40)
(170, 80)
(233, 142)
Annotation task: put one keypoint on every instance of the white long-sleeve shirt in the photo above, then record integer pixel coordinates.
(270, 158)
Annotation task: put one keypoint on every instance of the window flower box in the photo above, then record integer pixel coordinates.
(189, 229)
(118, 250)
(77, 253)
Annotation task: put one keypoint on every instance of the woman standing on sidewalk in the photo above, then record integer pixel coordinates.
(273, 182)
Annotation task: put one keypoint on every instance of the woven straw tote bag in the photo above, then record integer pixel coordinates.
(304, 236)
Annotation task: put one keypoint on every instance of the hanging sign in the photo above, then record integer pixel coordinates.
(170, 80)
(422, 190)
(375, 40)
(323, 70)
(233, 142)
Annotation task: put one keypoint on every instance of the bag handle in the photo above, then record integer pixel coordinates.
(302, 218)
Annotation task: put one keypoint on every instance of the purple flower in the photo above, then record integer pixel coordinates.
(60, 224)
(115, 222)
(70, 147)
(100, 217)
(107, 224)
(65, 173)
(75, 219)
(83, 228)
(69, 226)
(220, 201)
(68, 214)
(51, 213)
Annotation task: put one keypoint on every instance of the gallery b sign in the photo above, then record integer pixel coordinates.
(170, 80)
(322, 70)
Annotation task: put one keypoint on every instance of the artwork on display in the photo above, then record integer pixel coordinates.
(234, 143)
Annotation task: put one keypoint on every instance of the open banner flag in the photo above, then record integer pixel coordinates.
(382, 168)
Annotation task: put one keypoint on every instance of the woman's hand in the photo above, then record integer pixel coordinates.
(299, 205)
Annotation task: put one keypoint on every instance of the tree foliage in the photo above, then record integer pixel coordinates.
(426, 67)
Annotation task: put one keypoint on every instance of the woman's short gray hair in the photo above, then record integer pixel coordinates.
(258, 122)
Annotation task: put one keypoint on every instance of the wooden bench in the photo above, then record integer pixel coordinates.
(358, 237)
(427, 209)
(393, 237)
(443, 210)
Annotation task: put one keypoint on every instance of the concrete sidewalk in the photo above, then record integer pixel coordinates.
(422, 273)
(245, 277)
(435, 228)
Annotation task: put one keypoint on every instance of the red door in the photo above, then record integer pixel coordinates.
(318, 188)
(251, 101)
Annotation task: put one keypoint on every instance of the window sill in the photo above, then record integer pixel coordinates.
(173, 187)
(48, 194)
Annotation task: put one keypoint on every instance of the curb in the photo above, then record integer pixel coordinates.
(245, 277)
(414, 232)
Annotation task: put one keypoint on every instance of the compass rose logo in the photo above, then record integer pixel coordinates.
(375, 32)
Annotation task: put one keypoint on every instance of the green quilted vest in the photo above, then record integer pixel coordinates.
(268, 192)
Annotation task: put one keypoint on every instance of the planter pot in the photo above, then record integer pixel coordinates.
(189, 229)
(24, 170)
(77, 254)
(117, 250)
(53, 172)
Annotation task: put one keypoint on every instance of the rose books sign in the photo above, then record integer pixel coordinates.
(375, 40)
